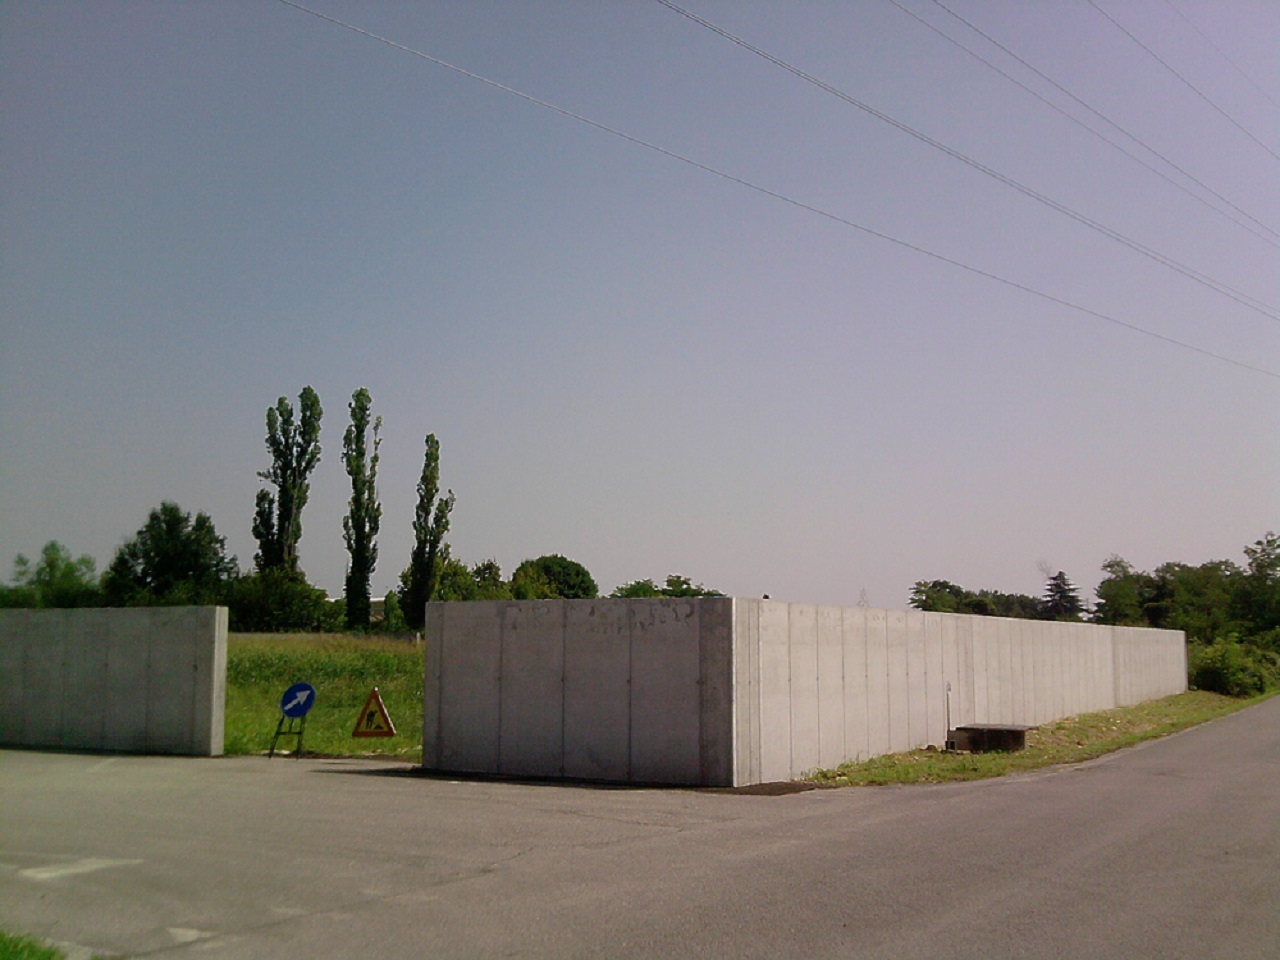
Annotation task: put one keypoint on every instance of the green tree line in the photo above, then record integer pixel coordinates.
(1230, 612)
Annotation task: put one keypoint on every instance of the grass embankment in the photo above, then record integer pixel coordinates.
(343, 669)
(1072, 740)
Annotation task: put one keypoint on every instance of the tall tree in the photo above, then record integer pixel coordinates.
(360, 525)
(1124, 594)
(1061, 599)
(1258, 595)
(172, 559)
(295, 450)
(430, 524)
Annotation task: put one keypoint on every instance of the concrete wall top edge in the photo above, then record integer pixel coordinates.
(761, 602)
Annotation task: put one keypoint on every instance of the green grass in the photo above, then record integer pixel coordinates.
(26, 948)
(343, 668)
(1072, 740)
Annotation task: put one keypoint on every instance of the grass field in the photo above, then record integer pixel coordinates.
(1071, 740)
(343, 669)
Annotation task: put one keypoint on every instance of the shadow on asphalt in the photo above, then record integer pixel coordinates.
(410, 772)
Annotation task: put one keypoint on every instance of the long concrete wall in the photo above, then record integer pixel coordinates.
(139, 680)
(637, 691)
(723, 691)
(817, 685)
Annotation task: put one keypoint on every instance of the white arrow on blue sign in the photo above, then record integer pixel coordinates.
(297, 700)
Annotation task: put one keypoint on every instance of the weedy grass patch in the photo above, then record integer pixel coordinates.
(1072, 740)
(343, 668)
(13, 947)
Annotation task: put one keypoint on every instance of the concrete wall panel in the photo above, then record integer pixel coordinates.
(171, 687)
(665, 670)
(44, 672)
(775, 691)
(917, 680)
(716, 651)
(128, 670)
(899, 706)
(853, 640)
(84, 684)
(877, 648)
(432, 645)
(832, 749)
(140, 680)
(935, 680)
(746, 695)
(597, 692)
(470, 686)
(802, 631)
(531, 725)
(12, 689)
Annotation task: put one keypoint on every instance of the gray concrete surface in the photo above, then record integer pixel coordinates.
(723, 691)
(636, 691)
(1169, 850)
(142, 680)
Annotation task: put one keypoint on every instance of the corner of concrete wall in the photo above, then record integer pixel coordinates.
(432, 646)
(717, 760)
(746, 691)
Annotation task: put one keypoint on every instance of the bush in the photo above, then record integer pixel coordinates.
(1232, 668)
(278, 599)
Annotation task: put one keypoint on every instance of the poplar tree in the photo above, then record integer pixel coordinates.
(294, 445)
(360, 525)
(430, 524)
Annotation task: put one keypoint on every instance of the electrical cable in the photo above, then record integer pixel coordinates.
(765, 191)
(1191, 86)
(1063, 90)
(1271, 237)
(1218, 286)
(1205, 37)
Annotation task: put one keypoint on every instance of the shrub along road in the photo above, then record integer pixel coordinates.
(1169, 849)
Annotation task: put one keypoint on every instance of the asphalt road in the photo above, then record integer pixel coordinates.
(1168, 850)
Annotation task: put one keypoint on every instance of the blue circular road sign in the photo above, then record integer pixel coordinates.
(297, 700)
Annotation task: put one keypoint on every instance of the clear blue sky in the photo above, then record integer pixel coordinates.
(629, 360)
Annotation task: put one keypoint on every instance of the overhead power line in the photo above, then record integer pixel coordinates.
(1218, 286)
(1222, 53)
(765, 191)
(1255, 226)
(1105, 119)
(1191, 86)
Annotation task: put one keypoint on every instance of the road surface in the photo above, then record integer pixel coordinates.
(1171, 849)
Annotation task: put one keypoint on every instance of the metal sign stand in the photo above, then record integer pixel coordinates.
(294, 707)
(296, 727)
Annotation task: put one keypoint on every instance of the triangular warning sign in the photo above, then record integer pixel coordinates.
(374, 721)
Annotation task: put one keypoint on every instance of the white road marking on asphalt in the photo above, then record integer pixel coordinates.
(88, 865)
(76, 951)
(189, 934)
(105, 763)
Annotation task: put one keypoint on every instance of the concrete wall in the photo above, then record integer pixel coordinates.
(817, 685)
(720, 691)
(634, 691)
(139, 680)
